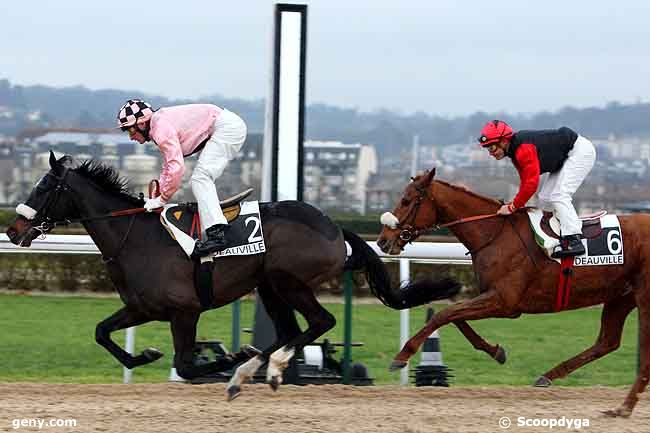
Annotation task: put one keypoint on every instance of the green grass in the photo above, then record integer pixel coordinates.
(51, 339)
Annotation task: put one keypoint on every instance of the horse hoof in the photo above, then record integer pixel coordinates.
(543, 382)
(251, 351)
(500, 356)
(620, 412)
(152, 354)
(274, 383)
(233, 392)
(397, 365)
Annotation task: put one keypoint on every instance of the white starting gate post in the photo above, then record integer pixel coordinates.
(282, 176)
(129, 346)
(404, 277)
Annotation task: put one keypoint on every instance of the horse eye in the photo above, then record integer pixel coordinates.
(405, 202)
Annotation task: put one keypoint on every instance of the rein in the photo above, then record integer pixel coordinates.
(154, 190)
(466, 220)
(408, 232)
(47, 224)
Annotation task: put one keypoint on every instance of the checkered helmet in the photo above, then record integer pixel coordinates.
(133, 111)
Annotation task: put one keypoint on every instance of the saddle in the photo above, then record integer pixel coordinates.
(185, 216)
(601, 235)
(591, 226)
(183, 224)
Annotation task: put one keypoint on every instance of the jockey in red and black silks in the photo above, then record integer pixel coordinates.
(568, 158)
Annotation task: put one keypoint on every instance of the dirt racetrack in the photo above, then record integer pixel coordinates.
(183, 408)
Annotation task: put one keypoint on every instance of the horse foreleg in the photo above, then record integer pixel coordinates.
(278, 362)
(497, 352)
(124, 318)
(643, 375)
(609, 339)
(241, 375)
(485, 305)
(319, 321)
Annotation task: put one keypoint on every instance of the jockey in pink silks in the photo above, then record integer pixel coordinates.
(180, 131)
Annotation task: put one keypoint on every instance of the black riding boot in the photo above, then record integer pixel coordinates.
(215, 241)
(569, 246)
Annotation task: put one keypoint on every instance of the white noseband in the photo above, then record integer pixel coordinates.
(26, 211)
(388, 219)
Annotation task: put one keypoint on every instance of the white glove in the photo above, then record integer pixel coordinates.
(154, 203)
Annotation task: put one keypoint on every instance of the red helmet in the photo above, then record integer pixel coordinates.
(493, 132)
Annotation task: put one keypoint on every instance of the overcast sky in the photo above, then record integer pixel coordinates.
(446, 57)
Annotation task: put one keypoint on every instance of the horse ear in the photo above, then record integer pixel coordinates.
(56, 164)
(53, 162)
(431, 174)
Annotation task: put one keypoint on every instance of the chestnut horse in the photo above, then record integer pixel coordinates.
(515, 276)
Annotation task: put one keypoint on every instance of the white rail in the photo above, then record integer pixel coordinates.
(431, 252)
(61, 244)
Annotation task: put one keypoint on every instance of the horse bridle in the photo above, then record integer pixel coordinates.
(47, 223)
(408, 231)
(41, 215)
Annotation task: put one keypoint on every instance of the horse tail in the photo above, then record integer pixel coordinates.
(410, 295)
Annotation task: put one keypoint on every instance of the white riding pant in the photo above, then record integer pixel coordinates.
(557, 191)
(226, 141)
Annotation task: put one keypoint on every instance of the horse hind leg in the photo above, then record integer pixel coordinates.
(497, 352)
(280, 354)
(609, 339)
(643, 375)
(298, 296)
(279, 359)
(286, 328)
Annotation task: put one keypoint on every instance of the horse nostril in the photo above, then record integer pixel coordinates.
(381, 243)
(12, 233)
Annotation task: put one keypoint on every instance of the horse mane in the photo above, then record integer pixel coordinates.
(105, 177)
(469, 192)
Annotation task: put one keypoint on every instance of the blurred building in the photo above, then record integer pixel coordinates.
(634, 148)
(382, 194)
(336, 175)
(23, 163)
(7, 170)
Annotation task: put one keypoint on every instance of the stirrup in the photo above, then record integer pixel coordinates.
(561, 252)
(204, 255)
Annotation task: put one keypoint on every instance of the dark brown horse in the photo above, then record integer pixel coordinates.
(515, 276)
(154, 277)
